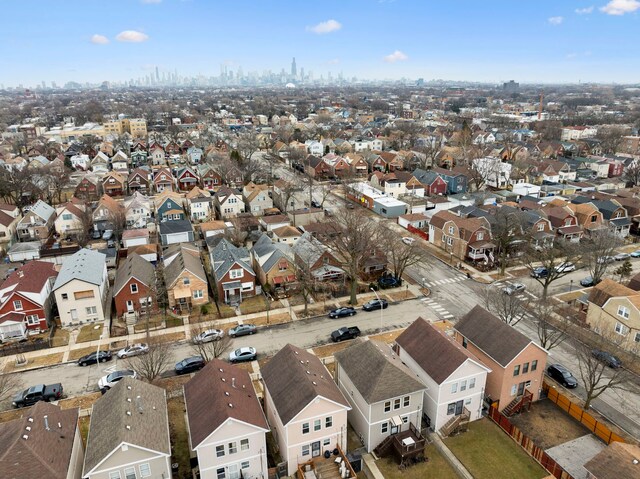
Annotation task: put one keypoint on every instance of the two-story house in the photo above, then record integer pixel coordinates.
(200, 204)
(186, 282)
(81, 288)
(310, 421)
(114, 183)
(384, 394)
(614, 215)
(211, 180)
(454, 378)
(588, 215)
(163, 180)
(232, 272)
(516, 363)
(25, 299)
(256, 198)
(37, 223)
(89, 188)
(563, 221)
(69, 220)
(187, 178)
(273, 263)
(169, 207)
(227, 427)
(314, 257)
(430, 182)
(456, 181)
(140, 180)
(109, 214)
(133, 286)
(228, 203)
(137, 210)
(157, 155)
(462, 238)
(9, 218)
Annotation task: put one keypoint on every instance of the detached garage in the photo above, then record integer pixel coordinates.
(24, 251)
(176, 231)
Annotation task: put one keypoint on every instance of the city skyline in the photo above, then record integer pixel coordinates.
(369, 39)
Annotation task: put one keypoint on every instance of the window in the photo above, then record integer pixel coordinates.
(317, 425)
(450, 230)
(451, 408)
(145, 470)
(186, 281)
(623, 312)
(236, 273)
(637, 338)
(233, 447)
(405, 401)
(534, 365)
(220, 473)
(454, 388)
(516, 370)
(328, 422)
(244, 465)
(472, 383)
(541, 227)
(134, 288)
(525, 368)
(463, 385)
(305, 428)
(91, 310)
(467, 401)
(17, 305)
(67, 217)
(480, 236)
(197, 294)
(464, 342)
(33, 319)
(449, 241)
(594, 218)
(384, 427)
(396, 404)
(83, 294)
(114, 475)
(130, 473)
(405, 419)
(219, 451)
(64, 296)
(514, 389)
(387, 406)
(244, 445)
(621, 329)
(305, 450)
(326, 442)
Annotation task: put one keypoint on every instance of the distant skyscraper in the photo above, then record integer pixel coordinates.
(510, 86)
(294, 70)
(157, 75)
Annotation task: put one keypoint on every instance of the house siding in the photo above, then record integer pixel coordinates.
(120, 298)
(67, 306)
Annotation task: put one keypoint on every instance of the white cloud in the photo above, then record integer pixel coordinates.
(334, 61)
(555, 20)
(620, 7)
(584, 11)
(396, 56)
(325, 27)
(571, 56)
(99, 39)
(132, 36)
(151, 1)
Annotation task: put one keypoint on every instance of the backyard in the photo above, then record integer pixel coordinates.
(436, 466)
(487, 452)
(179, 437)
(89, 332)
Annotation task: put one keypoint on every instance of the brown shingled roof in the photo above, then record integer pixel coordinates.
(606, 289)
(617, 461)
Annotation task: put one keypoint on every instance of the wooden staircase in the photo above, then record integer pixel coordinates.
(385, 447)
(518, 404)
(456, 424)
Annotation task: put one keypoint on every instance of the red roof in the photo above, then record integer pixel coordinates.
(31, 278)
(12, 316)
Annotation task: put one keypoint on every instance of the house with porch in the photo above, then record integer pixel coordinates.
(430, 182)
(384, 394)
(186, 282)
(89, 188)
(137, 210)
(211, 180)
(140, 180)
(69, 219)
(157, 155)
(169, 207)
(454, 378)
(516, 364)
(186, 178)
(588, 215)
(456, 180)
(563, 221)
(120, 162)
(311, 421)
(37, 223)
(315, 258)
(163, 180)
(235, 278)
(108, 212)
(138, 158)
(256, 198)
(135, 278)
(316, 167)
(467, 239)
(114, 184)
(273, 263)
(100, 163)
(614, 215)
(228, 203)
(200, 204)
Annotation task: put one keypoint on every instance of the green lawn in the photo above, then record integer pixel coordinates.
(487, 452)
(89, 332)
(435, 467)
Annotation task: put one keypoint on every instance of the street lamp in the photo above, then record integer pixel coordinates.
(570, 285)
(380, 302)
(98, 350)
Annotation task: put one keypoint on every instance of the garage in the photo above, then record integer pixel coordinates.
(176, 231)
(24, 251)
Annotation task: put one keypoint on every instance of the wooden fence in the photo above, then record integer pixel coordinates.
(596, 427)
(423, 234)
(528, 445)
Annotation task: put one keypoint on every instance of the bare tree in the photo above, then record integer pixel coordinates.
(631, 174)
(507, 232)
(150, 366)
(610, 138)
(211, 349)
(543, 262)
(246, 145)
(305, 282)
(9, 384)
(401, 255)
(597, 249)
(236, 235)
(85, 223)
(509, 308)
(551, 324)
(117, 220)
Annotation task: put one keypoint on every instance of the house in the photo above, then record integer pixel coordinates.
(69, 220)
(256, 198)
(114, 184)
(456, 181)
(137, 210)
(169, 207)
(81, 288)
(140, 180)
(89, 188)
(212, 228)
(177, 231)
(454, 378)
(613, 214)
(186, 282)
(588, 216)
(37, 223)
(232, 272)
(563, 221)
(614, 311)
(109, 214)
(186, 178)
(138, 158)
(316, 167)
(616, 461)
(135, 237)
(316, 258)
(516, 363)
(463, 238)
(157, 155)
(44, 442)
(338, 166)
(286, 234)
(194, 155)
(120, 162)
(100, 163)
(227, 427)
(210, 179)
(133, 286)
(25, 299)
(358, 165)
(312, 420)
(80, 162)
(429, 181)
(228, 203)
(384, 394)
(163, 180)
(495, 172)
(8, 227)
(129, 433)
(273, 263)
(200, 204)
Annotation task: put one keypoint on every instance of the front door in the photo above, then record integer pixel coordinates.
(521, 389)
(315, 449)
(74, 315)
(459, 407)
(129, 306)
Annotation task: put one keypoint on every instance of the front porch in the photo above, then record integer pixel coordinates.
(481, 251)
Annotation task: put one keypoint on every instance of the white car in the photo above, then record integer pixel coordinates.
(133, 350)
(110, 380)
(246, 353)
(514, 288)
(565, 267)
(407, 240)
(208, 336)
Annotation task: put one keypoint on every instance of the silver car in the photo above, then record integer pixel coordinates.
(208, 336)
(514, 288)
(133, 350)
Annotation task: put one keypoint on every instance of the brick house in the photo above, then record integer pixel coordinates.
(273, 263)
(316, 258)
(131, 293)
(463, 238)
(187, 178)
(563, 222)
(186, 282)
(316, 167)
(89, 188)
(210, 178)
(114, 184)
(232, 272)
(139, 180)
(163, 180)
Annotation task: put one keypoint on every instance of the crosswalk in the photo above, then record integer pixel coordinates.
(440, 282)
(440, 311)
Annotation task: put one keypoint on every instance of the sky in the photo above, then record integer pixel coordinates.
(546, 41)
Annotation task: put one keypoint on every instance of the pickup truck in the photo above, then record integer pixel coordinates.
(343, 334)
(37, 393)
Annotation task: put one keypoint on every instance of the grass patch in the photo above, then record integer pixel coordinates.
(174, 322)
(436, 466)
(141, 326)
(11, 414)
(88, 332)
(83, 425)
(38, 361)
(329, 350)
(171, 337)
(401, 295)
(78, 353)
(118, 344)
(174, 383)
(226, 311)
(257, 304)
(82, 402)
(487, 452)
(179, 438)
(388, 337)
(60, 338)
(273, 319)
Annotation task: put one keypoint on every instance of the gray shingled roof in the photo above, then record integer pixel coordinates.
(376, 372)
(133, 266)
(175, 226)
(85, 265)
(183, 261)
(225, 255)
(269, 253)
(308, 248)
(147, 424)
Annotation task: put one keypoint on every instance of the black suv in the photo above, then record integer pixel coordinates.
(562, 375)
(375, 304)
(93, 358)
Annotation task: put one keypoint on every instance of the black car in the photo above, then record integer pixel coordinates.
(539, 272)
(586, 282)
(562, 375)
(375, 304)
(93, 358)
(342, 312)
(190, 365)
(607, 358)
(315, 204)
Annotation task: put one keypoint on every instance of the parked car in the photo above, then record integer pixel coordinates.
(107, 235)
(621, 256)
(246, 353)
(562, 375)
(315, 204)
(607, 358)
(407, 240)
(190, 365)
(96, 234)
(41, 392)
(343, 334)
(243, 330)
(375, 304)
(514, 288)
(635, 254)
(342, 312)
(605, 259)
(565, 267)
(110, 380)
(9, 272)
(586, 282)
(133, 350)
(93, 358)
(539, 272)
(208, 336)
(111, 243)
(388, 282)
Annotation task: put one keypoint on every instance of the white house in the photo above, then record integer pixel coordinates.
(495, 172)
(228, 203)
(69, 218)
(81, 162)
(314, 147)
(137, 210)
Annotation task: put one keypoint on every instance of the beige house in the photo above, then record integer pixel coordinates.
(309, 420)
(273, 263)
(69, 217)
(81, 288)
(385, 395)
(614, 312)
(227, 427)
(129, 433)
(186, 282)
(8, 225)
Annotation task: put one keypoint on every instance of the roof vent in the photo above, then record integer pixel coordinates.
(128, 427)
(224, 380)
(233, 382)
(129, 388)
(296, 352)
(59, 426)
(25, 437)
(226, 393)
(30, 419)
(46, 422)
(314, 383)
(128, 413)
(28, 428)
(230, 405)
(220, 370)
(308, 372)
